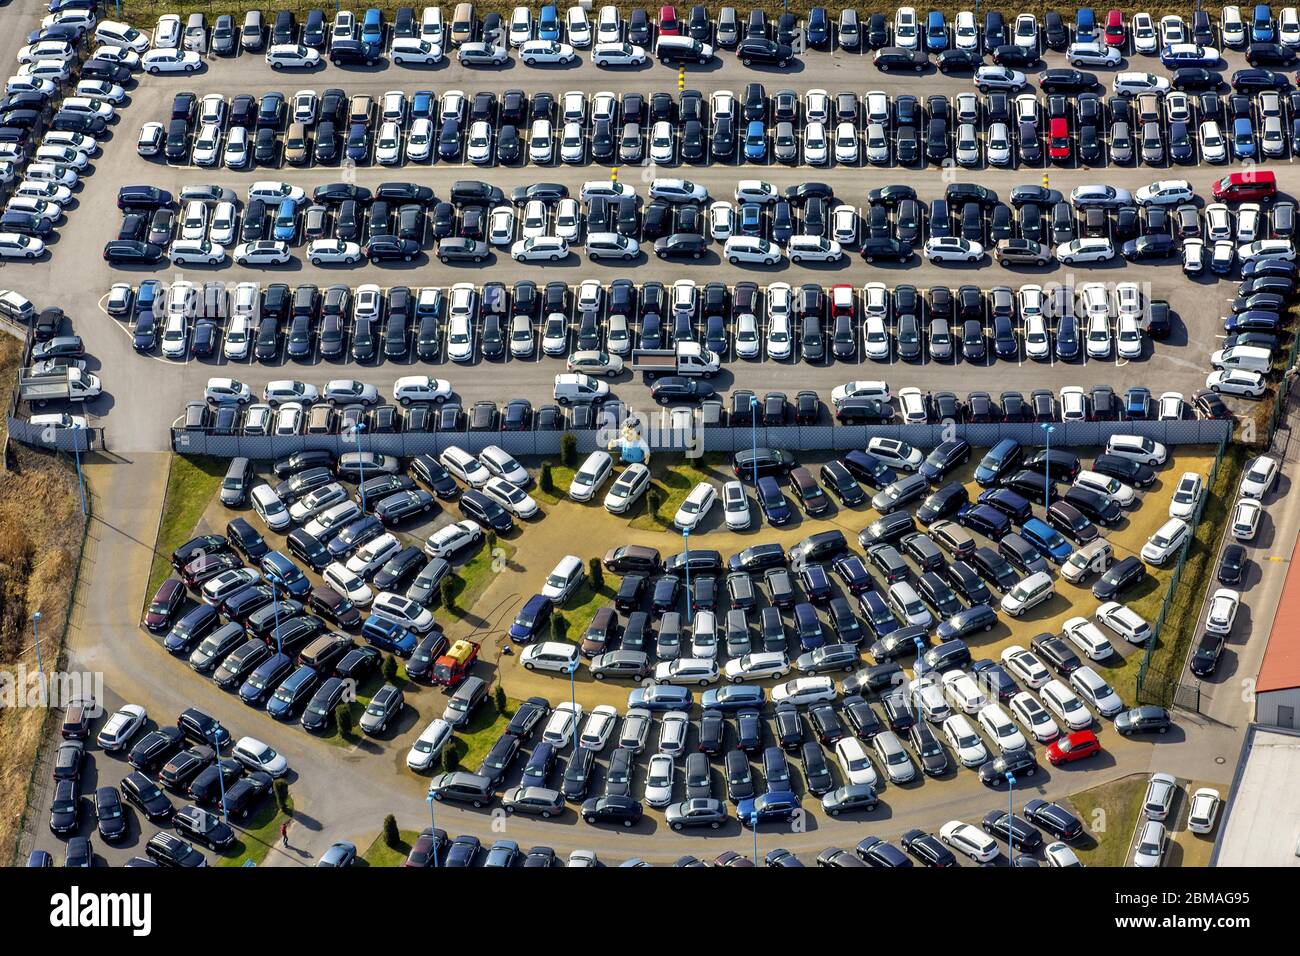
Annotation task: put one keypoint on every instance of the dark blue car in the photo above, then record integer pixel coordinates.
(756, 141)
(532, 619)
(773, 502)
(284, 575)
(772, 807)
(388, 635)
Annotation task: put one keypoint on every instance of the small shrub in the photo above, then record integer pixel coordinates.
(391, 835)
(568, 449)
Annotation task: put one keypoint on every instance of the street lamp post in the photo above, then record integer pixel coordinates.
(81, 479)
(573, 702)
(433, 822)
(1011, 810)
(753, 432)
(1047, 472)
(221, 777)
(36, 636)
(920, 651)
(361, 466)
(686, 544)
(753, 825)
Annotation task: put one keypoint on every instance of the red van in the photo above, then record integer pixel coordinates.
(1114, 28)
(669, 26)
(1058, 139)
(1253, 185)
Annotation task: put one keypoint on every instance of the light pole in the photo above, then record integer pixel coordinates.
(753, 433)
(1011, 809)
(433, 822)
(361, 466)
(573, 701)
(36, 636)
(920, 650)
(76, 450)
(1047, 472)
(221, 777)
(753, 825)
(686, 544)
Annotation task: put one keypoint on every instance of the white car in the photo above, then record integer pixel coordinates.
(1223, 611)
(1165, 541)
(860, 388)
(1001, 728)
(1134, 83)
(1087, 249)
(1065, 704)
(747, 340)
(577, 26)
(157, 62)
(756, 251)
(593, 472)
(659, 781)
(264, 252)
(1145, 38)
(1124, 621)
(540, 249)
(802, 248)
(630, 485)
(662, 144)
(844, 225)
(501, 226)
(965, 33)
(1213, 147)
(1237, 381)
(1026, 666)
(760, 666)
(121, 727)
(780, 343)
(552, 656)
(568, 220)
(449, 539)
(321, 252)
(224, 224)
(735, 506)
(1093, 53)
(846, 143)
(1093, 688)
(600, 724)
(969, 840)
(1187, 495)
(1172, 30)
(1248, 215)
(1245, 519)
(372, 555)
(816, 144)
(963, 692)
(541, 143)
(1098, 336)
(561, 727)
(965, 742)
(805, 690)
(388, 144)
(1038, 344)
(1193, 256)
(990, 77)
(722, 219)
(1061, 855)
(429, 745)
(416, 51)
(236, 154)
(1034, 718)
(1260, 477)
(420, 140)
(536, 52)
(609, 25)
(855, 762)
(521, 27)
(103, 90)
(926, 694)
(292, 56)
(1165, 192)
(618, 54)
(895, 453)
(695, 506)
(999, 144)
(199, 251)
(255, 755)
(953, 249)
(421, 388)
(1203, 811)
(1086, 636)
(237, 338)
(912, 406)
(1149, 850)
(687, 670)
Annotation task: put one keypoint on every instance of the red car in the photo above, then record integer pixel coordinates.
(161, 612)
(1114, 28)
(841, 301)
(1058, 139)
(1077, 746)
(669, 26)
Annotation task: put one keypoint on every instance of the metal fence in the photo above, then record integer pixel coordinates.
(660, 436)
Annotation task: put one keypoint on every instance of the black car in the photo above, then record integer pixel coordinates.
(1018, 763)
(1016, 832)
(612, 809)
(1206, 654)
(1143, 720)
(928, 849)
(1118, 578)
(893, 59)
(1053, 818)
(110, 816)
(761, 50)
(1066, 81)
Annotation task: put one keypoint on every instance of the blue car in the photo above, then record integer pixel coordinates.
(1046, 539)
(999, 461)
(936, 32)
(657, 697)
(756, 141)
(1188, 54)
(358, 148)
(532, 618)
(1137, 403)
(387, 635)
(733, 697)
(1085, 25)
(372, 30)
(1243, 138)
(751, 219)
(422, 103)
(773, 502)
(880, 621)
(283, 574)
(1261, 24)
(548, 23)
(775, 806)
(286, 221)
(147, 296)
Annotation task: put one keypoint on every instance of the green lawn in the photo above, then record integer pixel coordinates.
(561, 479)
(476, 739)
(191, 483)
(260, 833)
(358, 707)
(1109, 814)
(673, 484)
(472, 578)
(1180, 623)
(582, 607)
(380, 853)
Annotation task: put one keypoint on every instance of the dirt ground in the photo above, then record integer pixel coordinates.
(41, 530)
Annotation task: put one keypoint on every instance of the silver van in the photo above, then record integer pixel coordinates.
(253, 33)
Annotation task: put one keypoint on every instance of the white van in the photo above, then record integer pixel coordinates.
(1106, 485)
(465, 466)
(1137, 448)
(564, 579)
(907, 604)
(1030, 592)
(575, 387)
(269, 507)
(591, 476)
(1254, 358)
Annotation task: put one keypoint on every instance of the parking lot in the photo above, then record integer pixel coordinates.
(879, 325)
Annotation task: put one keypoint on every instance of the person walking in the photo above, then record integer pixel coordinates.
(284, 833)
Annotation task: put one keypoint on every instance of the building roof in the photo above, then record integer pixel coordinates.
(1255, 827)
(1280, 669)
